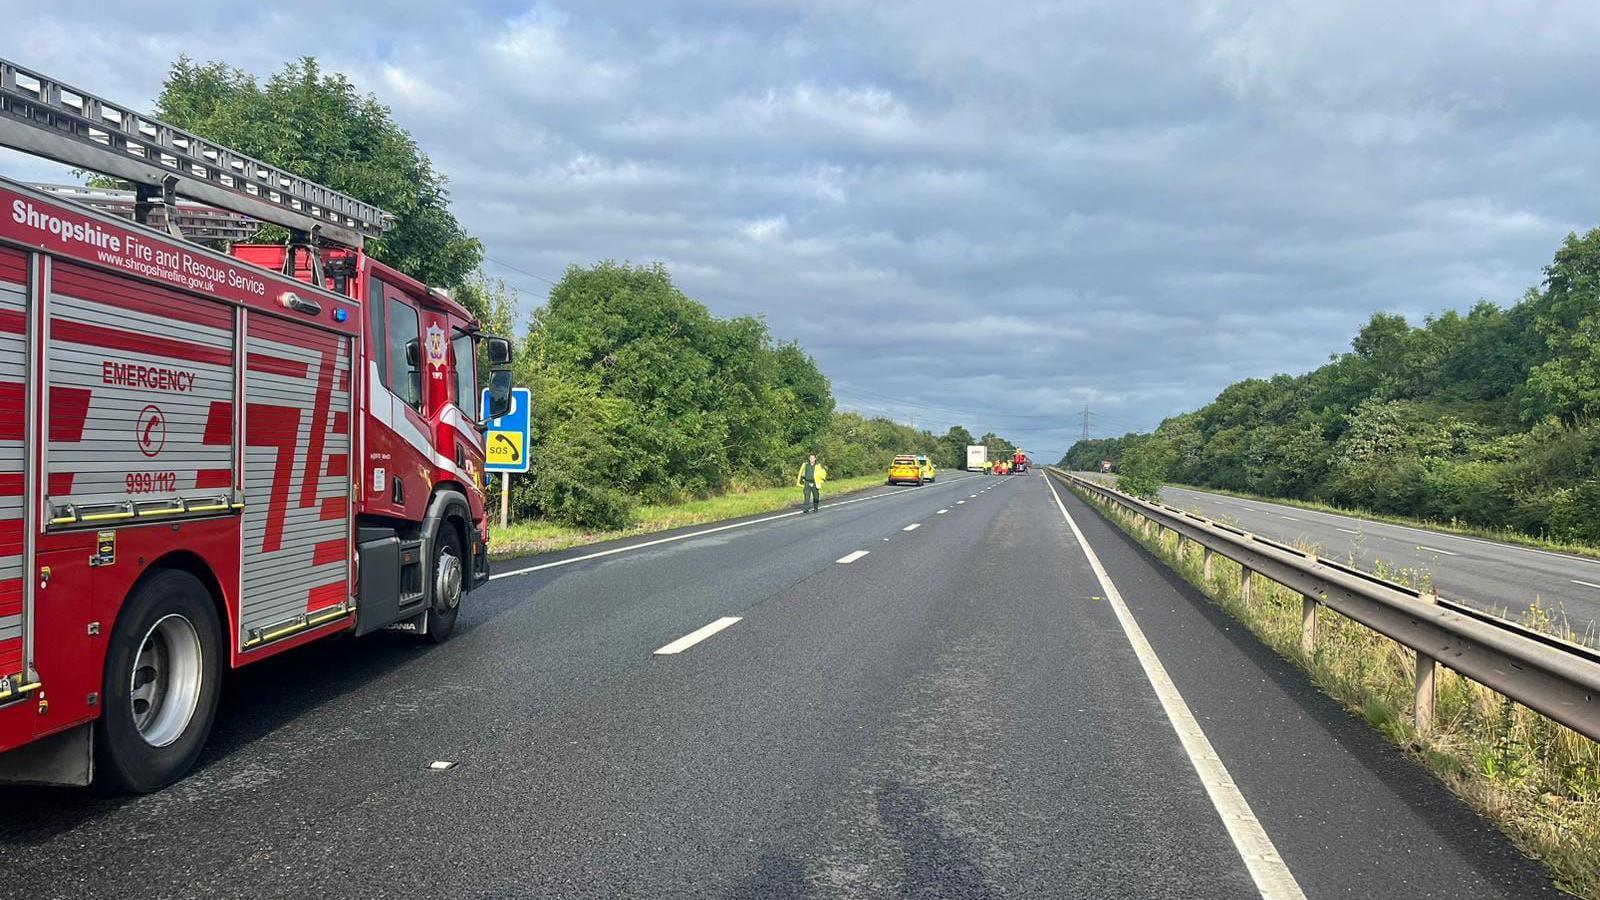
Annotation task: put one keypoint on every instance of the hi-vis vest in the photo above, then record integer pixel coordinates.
(819, 474)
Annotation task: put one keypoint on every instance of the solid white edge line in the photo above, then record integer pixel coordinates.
(682, 537)
(851, 557)
(696, 636)
(1271, 875)
(912, 527)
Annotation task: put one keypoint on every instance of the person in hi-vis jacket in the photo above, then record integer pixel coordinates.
(811, 476)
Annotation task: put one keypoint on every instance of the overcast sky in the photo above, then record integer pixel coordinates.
(967, 215)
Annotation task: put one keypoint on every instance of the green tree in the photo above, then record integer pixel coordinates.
(320, 127)
(998, 447)
(953, 447)
(1566, 384)
(491, 301)
(1487, 417)
(699, 403)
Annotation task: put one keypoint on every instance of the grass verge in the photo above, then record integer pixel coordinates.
(539, 536)
(1502, 535)
(1537, 780)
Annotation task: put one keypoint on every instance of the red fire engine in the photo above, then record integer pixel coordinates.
(208, 459)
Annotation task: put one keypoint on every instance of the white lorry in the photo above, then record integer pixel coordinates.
(977, 457)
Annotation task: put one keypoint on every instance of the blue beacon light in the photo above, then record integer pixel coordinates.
(340, 314)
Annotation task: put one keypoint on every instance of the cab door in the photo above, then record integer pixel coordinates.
(397, 473)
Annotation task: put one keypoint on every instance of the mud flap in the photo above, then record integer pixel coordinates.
(65, 758)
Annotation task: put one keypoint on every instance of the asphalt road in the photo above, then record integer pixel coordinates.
(959, 710)
(1501, 578)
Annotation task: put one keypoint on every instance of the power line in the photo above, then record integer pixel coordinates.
(883, 411)
(1118, 423)
(843, 389)
(506, 265)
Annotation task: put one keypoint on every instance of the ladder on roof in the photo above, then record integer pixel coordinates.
(196, 221)
(46, 118)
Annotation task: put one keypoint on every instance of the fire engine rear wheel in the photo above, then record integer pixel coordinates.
(159, 695)
(449, 577)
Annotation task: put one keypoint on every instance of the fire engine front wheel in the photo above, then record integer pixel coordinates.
(449, 575)
(159, 696)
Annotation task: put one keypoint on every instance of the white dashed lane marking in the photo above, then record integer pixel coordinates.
(696, 636)
(601, 554)
(852, 557)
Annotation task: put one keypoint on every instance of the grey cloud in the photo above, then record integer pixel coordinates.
(973, 212)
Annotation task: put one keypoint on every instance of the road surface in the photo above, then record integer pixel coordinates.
(930, 692)
(1501, 578)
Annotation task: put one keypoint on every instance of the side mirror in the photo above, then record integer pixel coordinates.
(499, 394)
(411, 355)
(499, 350)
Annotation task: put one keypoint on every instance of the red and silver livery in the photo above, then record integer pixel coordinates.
(207, 459)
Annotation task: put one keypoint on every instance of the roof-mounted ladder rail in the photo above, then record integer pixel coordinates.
(46, 118)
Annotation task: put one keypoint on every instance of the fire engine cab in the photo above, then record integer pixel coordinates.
(208, 458)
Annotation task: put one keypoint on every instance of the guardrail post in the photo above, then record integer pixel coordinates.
(1183, 547)
(1427, 667)
(1308, 625)
(1246, 594)
(1205, 564)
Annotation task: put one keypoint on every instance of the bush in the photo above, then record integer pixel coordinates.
(1473, 492)
(1575, 513)
(1144, 468)
(572, 479)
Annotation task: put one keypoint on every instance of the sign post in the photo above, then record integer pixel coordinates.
(506, 442)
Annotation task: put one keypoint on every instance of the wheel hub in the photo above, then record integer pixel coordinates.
(447, 581)
(164, 686)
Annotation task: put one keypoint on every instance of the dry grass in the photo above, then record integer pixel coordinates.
(1538, 780)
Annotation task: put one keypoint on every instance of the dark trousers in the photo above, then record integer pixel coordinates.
(813, 496)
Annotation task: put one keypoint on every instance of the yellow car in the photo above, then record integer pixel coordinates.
(905, 469)
(929, 474)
